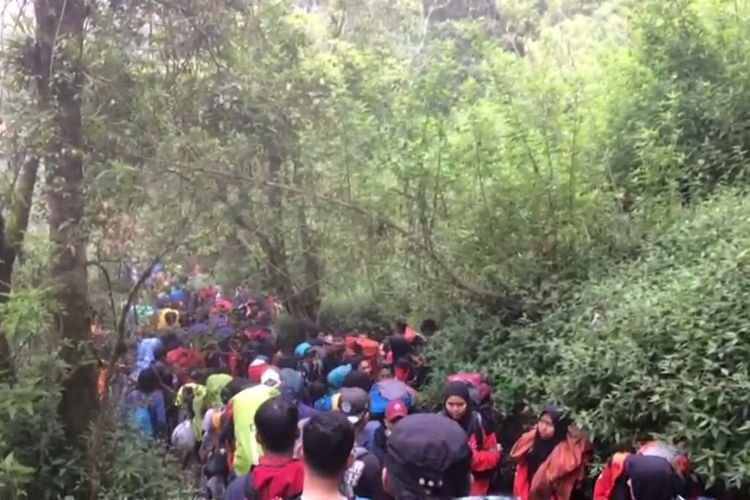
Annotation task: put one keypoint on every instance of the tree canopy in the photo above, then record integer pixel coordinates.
(562, 183)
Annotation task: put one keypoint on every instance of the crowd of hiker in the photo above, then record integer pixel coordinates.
(336, 417)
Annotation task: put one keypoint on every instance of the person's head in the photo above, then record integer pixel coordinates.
(385, 372)
(394, 412)
(399, 326)
(358, 379)
(357, 349)
(355, 404)
(457, 400)
(327, 442)
(551, 424)
(160, 352)
(170, 341)
(365, 367)
(237, 385)
(428, 458)
(316, 390)
(170, 318)
(428, 327)
(651, 478)
(289, 362)
(303, 350)
(276, 423)
(148, 381)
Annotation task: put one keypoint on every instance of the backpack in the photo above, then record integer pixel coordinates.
(386, 391)
(353, 474)
(141, 417)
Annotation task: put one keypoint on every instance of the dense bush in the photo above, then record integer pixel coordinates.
(655, 348)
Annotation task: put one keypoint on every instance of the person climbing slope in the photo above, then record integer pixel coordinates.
(551, 459)
(457, 405)
(278, 474)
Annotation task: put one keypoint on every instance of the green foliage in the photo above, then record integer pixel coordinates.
(514, 171)
(31, 439)
(139, 468)
(654, 348)
(679, 119)
(358, 314)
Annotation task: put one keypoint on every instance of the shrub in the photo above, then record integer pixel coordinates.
(656, 348)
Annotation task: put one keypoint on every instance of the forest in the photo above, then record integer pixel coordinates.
(561, 184)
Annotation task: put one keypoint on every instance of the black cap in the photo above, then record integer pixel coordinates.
(354, 403)
(426, 452)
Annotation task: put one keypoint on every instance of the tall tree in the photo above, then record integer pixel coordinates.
(59, 39)
(12, 232)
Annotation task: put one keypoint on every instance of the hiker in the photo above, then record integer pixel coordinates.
(609, 483)
(385, 372)
(310, 362)
(242, 408)
(399, 347)
(145, 405)
(278, 474)
(362, 365)
(145, 353)
(352, 379)
(168, 319)
(375, 435)
(363, 476)
(647, 478)
(167, 384)
(386, 390)
(428, 458)
(327, 442)
(458, 406)
(551, 459)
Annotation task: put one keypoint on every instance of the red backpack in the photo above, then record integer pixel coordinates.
(370, 348)
(479, 387)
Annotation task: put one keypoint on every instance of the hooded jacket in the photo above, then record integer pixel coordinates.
(245, 405)
(277, 477)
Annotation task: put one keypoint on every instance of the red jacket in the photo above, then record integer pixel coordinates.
(483, 460)
(605, 483)
(278, 477)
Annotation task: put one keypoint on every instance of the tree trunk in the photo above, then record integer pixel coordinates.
(7, 369)
(309, 294)
(59, 37)
(12, 233)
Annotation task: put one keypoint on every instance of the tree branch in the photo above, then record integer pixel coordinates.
(424, 247)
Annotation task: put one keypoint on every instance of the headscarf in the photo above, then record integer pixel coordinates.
(651, 478)
(461, 390)
(542, 448)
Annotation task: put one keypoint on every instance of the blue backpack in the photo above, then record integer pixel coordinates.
(141, 419)
(386, 391)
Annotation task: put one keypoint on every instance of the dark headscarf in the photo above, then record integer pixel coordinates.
(651, 478)
(543, 448)
(460, 389)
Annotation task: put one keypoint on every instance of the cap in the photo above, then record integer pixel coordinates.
(354, 403)
(396, 410)
(271, 378)
(426, 451)
(256, 370)
(302, 349)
